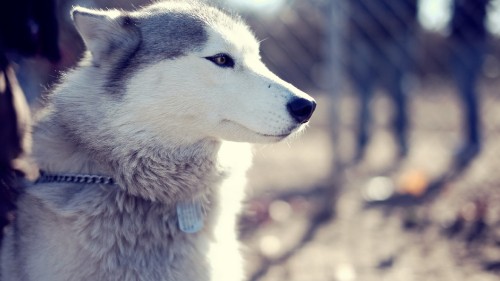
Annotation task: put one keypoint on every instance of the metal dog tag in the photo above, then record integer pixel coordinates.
(189, 216)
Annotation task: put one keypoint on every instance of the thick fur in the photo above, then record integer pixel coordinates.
(146, 107)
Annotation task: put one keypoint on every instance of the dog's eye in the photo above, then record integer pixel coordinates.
(222, 60)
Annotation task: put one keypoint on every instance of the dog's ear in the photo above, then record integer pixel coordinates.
(104, 32)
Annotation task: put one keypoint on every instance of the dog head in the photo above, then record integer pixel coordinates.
(186, 72)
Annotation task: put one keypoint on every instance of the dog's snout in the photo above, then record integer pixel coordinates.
(301, 109)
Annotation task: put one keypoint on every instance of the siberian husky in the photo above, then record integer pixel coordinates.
(140, 177)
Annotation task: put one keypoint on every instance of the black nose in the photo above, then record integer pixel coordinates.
(301, 109)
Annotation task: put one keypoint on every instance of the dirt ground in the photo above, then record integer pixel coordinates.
(314, 216)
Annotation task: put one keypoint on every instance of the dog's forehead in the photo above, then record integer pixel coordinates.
(173, 28)
(170, 32)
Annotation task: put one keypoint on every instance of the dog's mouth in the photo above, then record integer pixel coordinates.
(277, 137)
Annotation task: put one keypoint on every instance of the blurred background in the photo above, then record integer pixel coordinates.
(396, 177)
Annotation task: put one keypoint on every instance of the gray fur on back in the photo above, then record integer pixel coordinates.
(96, 232)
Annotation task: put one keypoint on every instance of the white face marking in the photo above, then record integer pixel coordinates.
(193, 98)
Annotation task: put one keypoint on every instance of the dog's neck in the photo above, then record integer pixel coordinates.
(151, 171)
(168, 174)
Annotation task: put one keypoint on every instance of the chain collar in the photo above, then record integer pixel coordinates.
(190, 216)
(74, 178)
